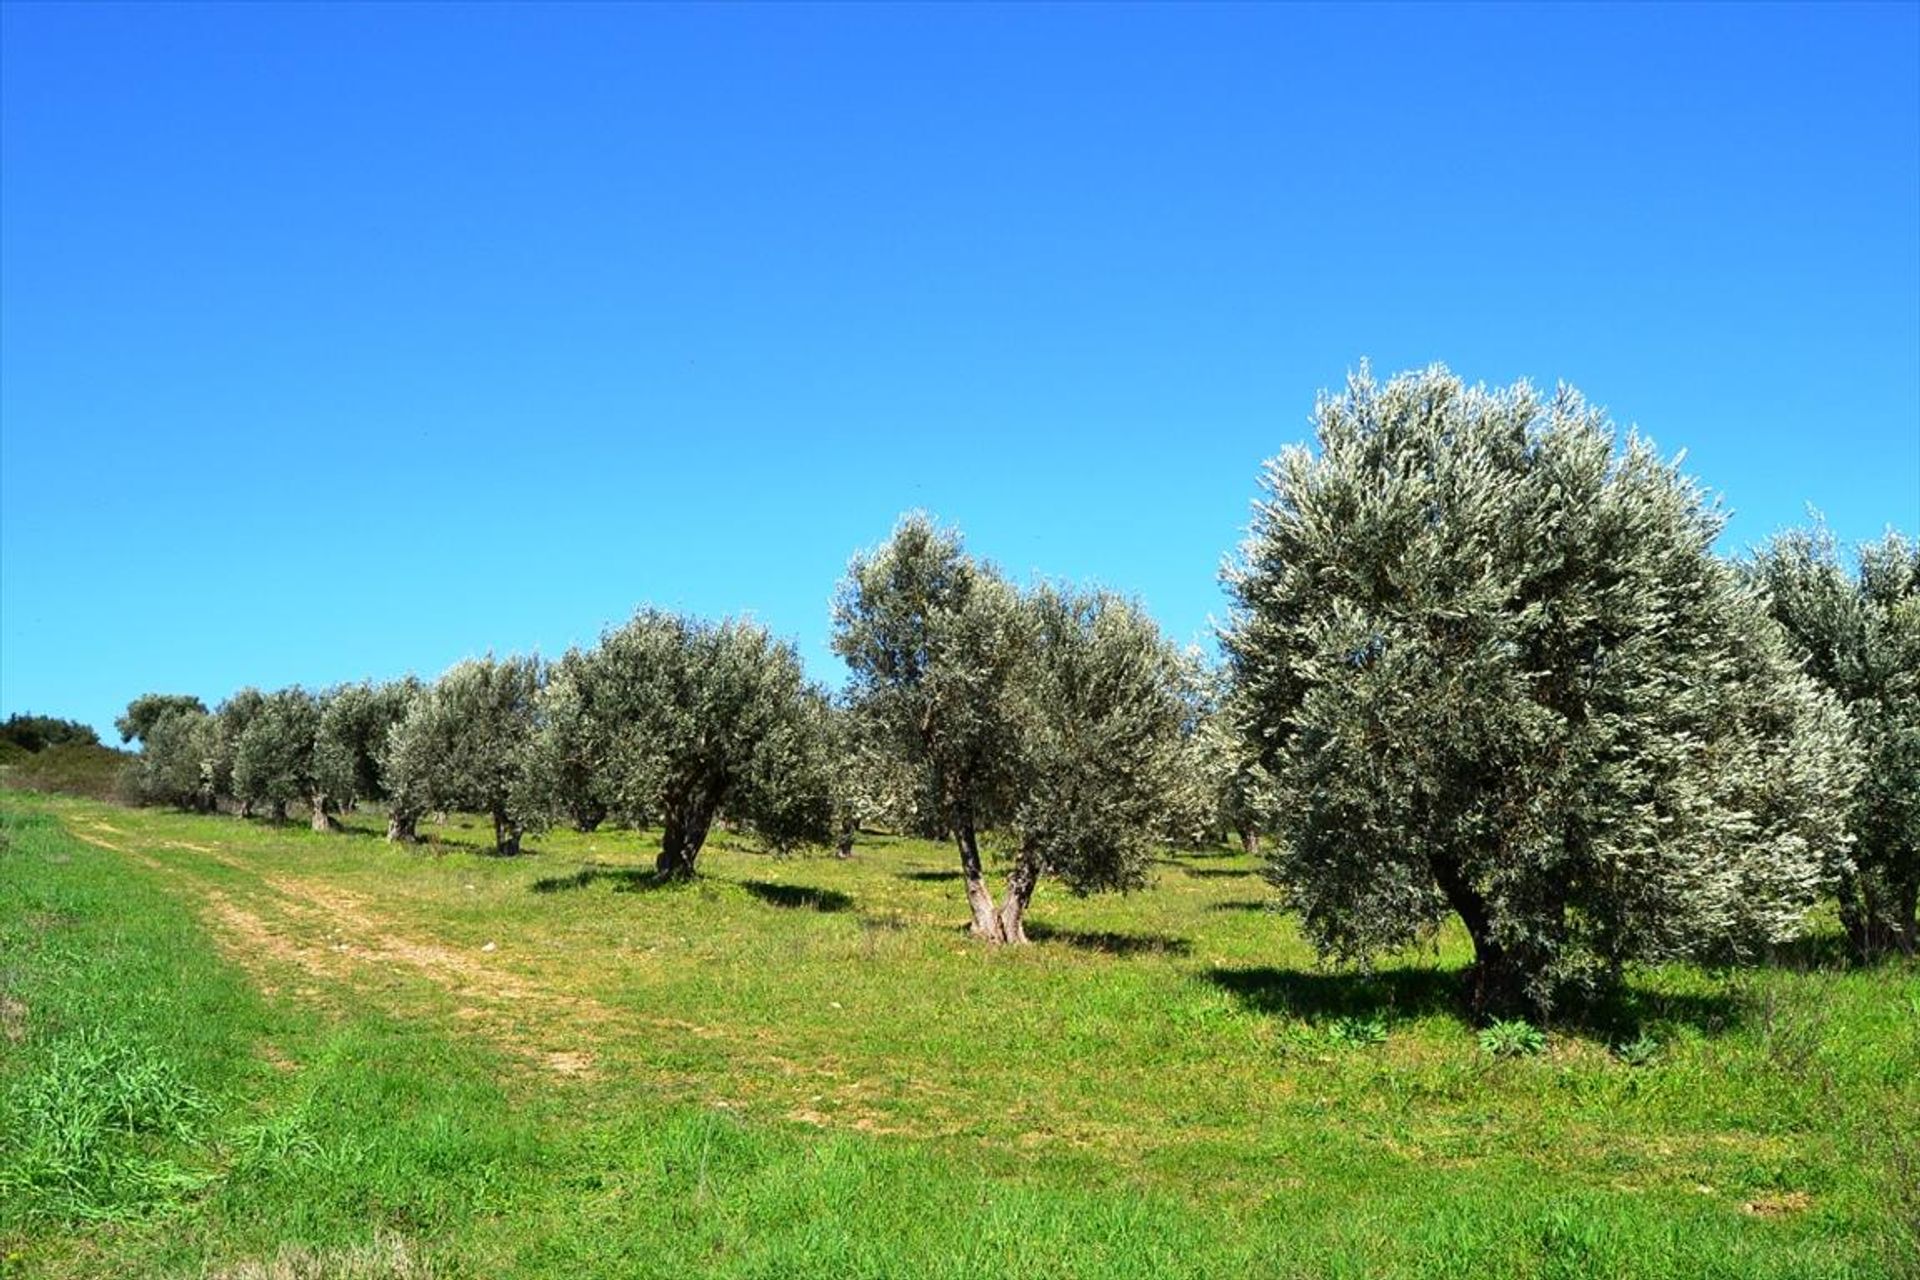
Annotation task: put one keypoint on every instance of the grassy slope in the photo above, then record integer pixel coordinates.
(79, 769)
(803, 1068)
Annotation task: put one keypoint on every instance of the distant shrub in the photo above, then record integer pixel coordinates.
(37, 733)
(80, 769)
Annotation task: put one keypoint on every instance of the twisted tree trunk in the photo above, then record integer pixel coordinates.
(986, 921)
(686, 830)
(400, 827)
(1013, 907)
(322, 818)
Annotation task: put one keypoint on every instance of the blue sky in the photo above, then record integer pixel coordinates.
(346, 341)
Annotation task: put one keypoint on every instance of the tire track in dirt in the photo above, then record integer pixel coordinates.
(338, 936)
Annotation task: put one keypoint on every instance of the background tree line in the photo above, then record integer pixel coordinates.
(1482, 662)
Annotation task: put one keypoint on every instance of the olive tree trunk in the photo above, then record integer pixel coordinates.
(1497, 983)
(986, 920)
(1013, 907)
(322, 817)
(400, 828)
(506, 834)
(686, 830)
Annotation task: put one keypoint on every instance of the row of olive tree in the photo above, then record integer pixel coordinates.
(666, 720)
(1482, 663)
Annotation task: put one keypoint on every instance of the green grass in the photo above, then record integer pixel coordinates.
(238, 1050)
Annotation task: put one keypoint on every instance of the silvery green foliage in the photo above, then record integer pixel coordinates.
(935, 641)
(1226, 790)
(1104, 706)
(1493, 667)
(149, 708)
(680, 721)
(870, 787)
(273, 762)
(230, 721)
(174, 744)
(1859, 633)
(351, 741)
(468, 742)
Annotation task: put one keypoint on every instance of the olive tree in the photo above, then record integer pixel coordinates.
(1103, 709)
(1859, 633)
(350, 744)
(680, 721)
(149, 709)
(935, 642)
(173, 749)
(230, 721)
(1494, 669)
(468, 742)
(273, 761)
(1226, 789)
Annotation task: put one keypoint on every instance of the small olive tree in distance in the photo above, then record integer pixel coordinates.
(468, 742)
(273, 761)
(1860, 634)
(1495, 669)
(1104, 708)
(935, 641)
(681, 721)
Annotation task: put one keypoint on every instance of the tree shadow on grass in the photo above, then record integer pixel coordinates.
(624, 880)
(929, 875)
(1315, 996)
(1246, 904)
(1395, 994)
(1110, 943)
(1217, 873)
(795, 896)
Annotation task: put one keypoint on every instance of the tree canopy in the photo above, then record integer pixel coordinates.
(1859, 633)
(678, 721)
(1494, 668)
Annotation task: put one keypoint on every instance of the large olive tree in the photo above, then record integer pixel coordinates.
(1859, 632)
(679, 721)
(1495, 669)
(935, 641)
(468, 742)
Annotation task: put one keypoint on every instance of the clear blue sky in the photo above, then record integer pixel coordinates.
(345, 341)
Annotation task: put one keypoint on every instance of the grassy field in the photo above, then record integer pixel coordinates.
(232, 1050)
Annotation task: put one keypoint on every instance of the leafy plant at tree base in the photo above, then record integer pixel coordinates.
(1512, 1038)
(1356, 1032)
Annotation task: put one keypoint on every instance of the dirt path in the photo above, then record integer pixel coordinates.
(336, 935)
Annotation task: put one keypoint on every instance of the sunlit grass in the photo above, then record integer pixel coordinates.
(468, 1065)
